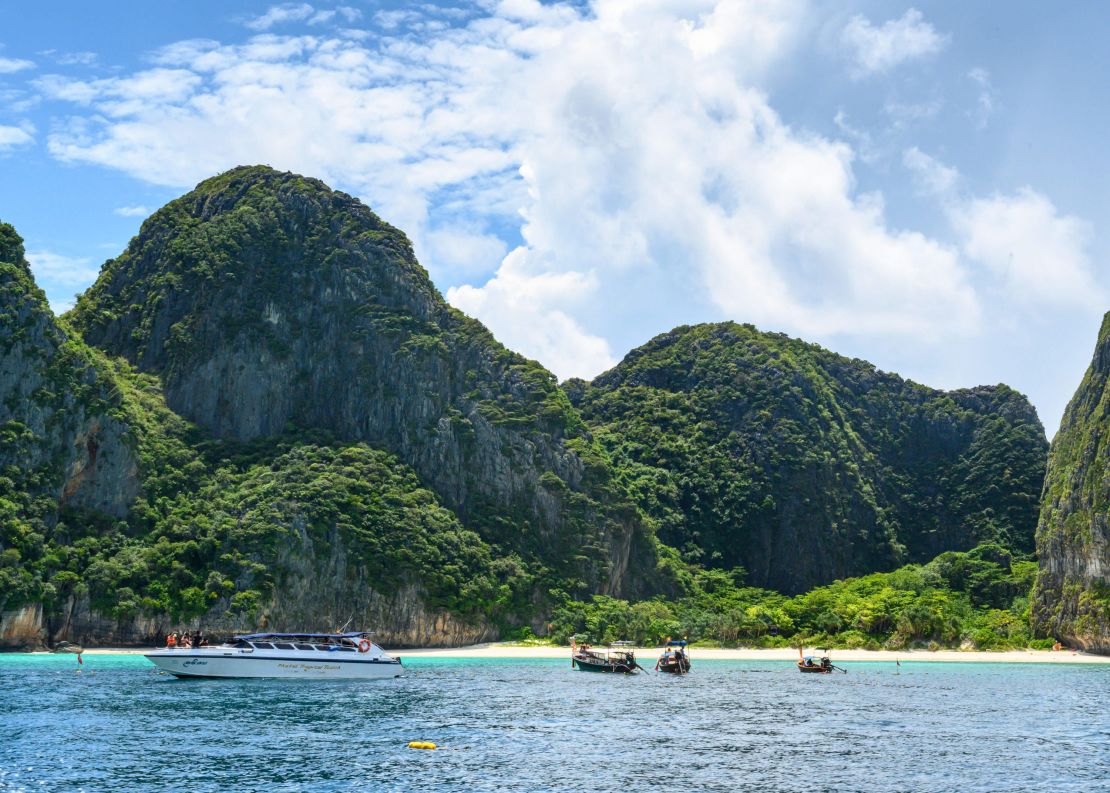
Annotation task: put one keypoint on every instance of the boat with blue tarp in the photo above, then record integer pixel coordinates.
(675, 659)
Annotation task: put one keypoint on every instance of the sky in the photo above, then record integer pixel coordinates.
(921, 186)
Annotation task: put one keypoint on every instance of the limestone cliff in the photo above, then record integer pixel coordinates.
(1072, 595)
(62, 442)
(760, 451)
(283, 425)
(266, 301)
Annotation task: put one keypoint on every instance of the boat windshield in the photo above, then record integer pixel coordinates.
(307, 637)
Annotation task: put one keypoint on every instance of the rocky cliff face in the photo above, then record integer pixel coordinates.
(62, 443)
(58, 412)
(287, 535)
(282, 424)
(297, 432)
(402, 617)
(1072, 595)
(756, 450)
(265, 300)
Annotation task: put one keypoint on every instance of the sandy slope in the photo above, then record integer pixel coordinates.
(521, 651)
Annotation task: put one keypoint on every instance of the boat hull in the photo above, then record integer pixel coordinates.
(602, 666)
(186, 663)
(814, 670)
(675, 668)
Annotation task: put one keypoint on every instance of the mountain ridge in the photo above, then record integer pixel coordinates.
(264, 299)
(804, 444)
(309, 433)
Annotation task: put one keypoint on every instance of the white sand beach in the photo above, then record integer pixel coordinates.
(504, 650)
(508, 650)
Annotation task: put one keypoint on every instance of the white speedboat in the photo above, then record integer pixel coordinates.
(316, 655)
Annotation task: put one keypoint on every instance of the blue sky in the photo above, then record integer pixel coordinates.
(907, 183)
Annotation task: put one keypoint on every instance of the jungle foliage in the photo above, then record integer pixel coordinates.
(977, 599)
(758, 450)
(724, 468)
(221, 524)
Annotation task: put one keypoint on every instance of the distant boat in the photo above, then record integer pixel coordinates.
(675, 659)
(618, 657)
(312, 655)
(818, 665)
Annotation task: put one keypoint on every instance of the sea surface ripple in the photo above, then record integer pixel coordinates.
(536, 725)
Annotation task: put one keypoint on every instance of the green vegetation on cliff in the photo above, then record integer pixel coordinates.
(221, 528)
(1072, 598)
(759, 451)
(263, 414)
(60, 433)
(975, 599)
(301, 431)
(265, 300)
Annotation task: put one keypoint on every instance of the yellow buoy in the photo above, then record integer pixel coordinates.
(421, 745)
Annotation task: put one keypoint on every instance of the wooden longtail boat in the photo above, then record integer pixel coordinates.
(617, 657)
(675, 659)
(815, 665)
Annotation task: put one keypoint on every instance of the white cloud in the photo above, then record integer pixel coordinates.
(986, 103)
(905, 114)
(344, 13)
(124, 96)
(461, 252)
(508, 304)
(280, 14)
(875, 49)
(627, 155)
(1038, 255)
(11, 65)
(58, 274)
(132, 212)
(394, 18)
(60, 307)
(73, 58)
(1032, 253)
(10, 137)
(932, 176)
(56, 269)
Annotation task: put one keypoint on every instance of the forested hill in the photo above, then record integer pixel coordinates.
(264, 415)
(266, 301)
(760, 451)
(119, 519)
(61, 434)
(1072, 596)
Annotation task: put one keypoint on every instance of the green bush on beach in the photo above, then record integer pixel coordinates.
(977, 599)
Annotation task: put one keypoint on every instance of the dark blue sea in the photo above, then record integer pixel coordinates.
(536, 725)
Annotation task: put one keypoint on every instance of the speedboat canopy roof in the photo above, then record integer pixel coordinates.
(263, 636)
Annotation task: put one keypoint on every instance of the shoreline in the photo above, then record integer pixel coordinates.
(518, 651)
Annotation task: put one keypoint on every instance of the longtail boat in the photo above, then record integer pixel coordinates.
(675, 659)
(618, 657)
(817, 665)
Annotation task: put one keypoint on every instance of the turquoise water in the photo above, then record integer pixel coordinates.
(536, 725)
